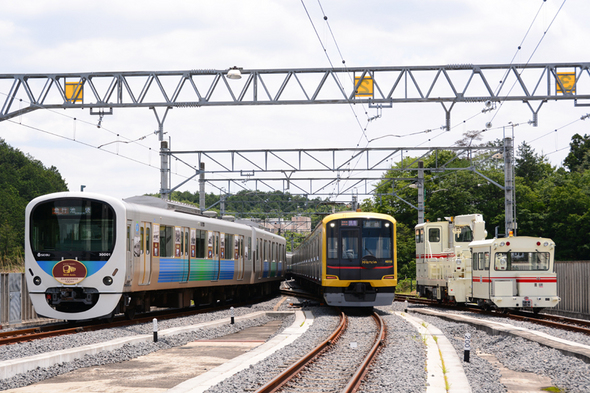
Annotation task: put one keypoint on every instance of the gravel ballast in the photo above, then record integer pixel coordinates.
(401, 366)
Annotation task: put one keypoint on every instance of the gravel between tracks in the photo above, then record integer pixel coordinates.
(127, 352)
(515, 353)
(399, 368)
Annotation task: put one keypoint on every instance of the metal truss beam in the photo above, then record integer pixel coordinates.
(381, 86)
(322, 172)
(254, 162)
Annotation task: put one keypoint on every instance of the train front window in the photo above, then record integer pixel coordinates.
(72, 225)
(350, 244)
(463, 235)
(377, 239)
(522, 261)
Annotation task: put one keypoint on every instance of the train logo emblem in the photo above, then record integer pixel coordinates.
(69, 272)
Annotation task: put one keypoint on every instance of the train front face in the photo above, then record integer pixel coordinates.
(71, 251)
(360, 259)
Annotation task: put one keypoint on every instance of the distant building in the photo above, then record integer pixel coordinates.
(298, 224)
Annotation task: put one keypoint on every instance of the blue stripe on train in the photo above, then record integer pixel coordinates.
(91, 266)
(176, 270)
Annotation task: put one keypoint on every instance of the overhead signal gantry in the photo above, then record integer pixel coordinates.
(381, 87)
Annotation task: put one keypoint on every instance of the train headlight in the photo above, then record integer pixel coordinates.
(546, 244)
(502, 244)
(37, 280)
(108, 280)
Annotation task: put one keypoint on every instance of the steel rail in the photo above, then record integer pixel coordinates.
(59, 329)
(554, 321)
(276, 383)
(358, 376)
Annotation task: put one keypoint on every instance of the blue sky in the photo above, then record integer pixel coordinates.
(74, 36)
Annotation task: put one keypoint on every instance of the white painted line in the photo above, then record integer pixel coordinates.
(10, 368)
(237, 364)
(456, 378)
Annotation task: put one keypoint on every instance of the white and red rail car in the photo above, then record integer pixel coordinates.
(455, 263)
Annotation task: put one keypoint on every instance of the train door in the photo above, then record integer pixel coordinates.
(433, 249)
(217, 254)
(185, 253)
(252, 253)
(481, 274)
(239, 255)
(213, 254)
(350, 260)
(259, 258)
(129, 255)
(142, 252)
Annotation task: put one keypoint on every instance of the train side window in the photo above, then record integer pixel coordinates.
(186, 243)
(166, 241)
(202, 241)
(475, 261)
(332, 236)
(501, 261)
(417, 236)
(486, 257)
(249, 248)
(229, 246)
(434, 235)
(148, 239)
(264, 257)
(481, 261)
(181, 245)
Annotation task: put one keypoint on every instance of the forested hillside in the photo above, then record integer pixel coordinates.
(22, 178)
(550, 202)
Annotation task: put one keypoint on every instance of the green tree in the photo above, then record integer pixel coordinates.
(530, 166)
(22, 178)
(578, 158)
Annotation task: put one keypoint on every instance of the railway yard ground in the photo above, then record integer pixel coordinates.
(205, 352)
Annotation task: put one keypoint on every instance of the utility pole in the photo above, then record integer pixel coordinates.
(420, 192)
(202, 187)
(509, 200)
(164, 156)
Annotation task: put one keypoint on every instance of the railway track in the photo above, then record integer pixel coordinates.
(337, 364)
(65, 328)
(558, 322)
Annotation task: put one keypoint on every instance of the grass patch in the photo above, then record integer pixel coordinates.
(553, 389)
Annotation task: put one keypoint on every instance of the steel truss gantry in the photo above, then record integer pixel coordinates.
(381, 87)
(533, 84)
(342, 171)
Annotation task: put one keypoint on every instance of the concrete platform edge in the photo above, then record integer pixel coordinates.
(435, 378)
(566, 347)
(303, 320)
(10, 368)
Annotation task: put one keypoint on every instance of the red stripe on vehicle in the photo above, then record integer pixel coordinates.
(360, 267)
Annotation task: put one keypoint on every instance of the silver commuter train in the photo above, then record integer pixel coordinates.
(90, 256)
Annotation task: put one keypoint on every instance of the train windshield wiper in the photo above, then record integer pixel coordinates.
(373, 255)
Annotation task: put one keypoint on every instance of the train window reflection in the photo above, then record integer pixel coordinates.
(73, 225)
(332, 237)
(350, 244)
(465, 236)
(522, 261)
(377, 242)
(434, 235)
